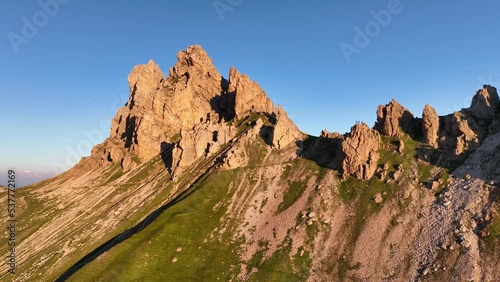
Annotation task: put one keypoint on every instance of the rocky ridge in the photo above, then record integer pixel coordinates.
(187, 115)
(193, 149)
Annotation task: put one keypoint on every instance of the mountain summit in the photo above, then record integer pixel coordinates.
(203, 179)
(190, 113)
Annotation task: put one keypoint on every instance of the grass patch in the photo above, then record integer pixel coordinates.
(390, 156)
(424, 171)
(117, 174)
(344, 266)
(444, 176)
(459, 161)
(493, 240)
(360, 193)
(135, 159)
(175, 138)
(256, 151)
(146, 170)
(286, 172)
(349, 189)
(258, 257)
(293, 193)
(279, 267)
(302, 265)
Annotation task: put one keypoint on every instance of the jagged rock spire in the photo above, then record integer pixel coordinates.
(430, 126)
(359, 150)
(394, 119)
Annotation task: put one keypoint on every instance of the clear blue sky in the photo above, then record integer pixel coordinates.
(67, 78)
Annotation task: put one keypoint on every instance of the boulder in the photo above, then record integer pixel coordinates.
(400, 146)
(377, 198)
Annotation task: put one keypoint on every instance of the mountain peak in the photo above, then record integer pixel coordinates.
(249, 96)
(485, 103)
(187, 113)
(194, 61)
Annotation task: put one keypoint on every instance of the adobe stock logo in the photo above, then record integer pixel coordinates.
(30, 28)
(91, 138)
(363, 37)
(223, 6)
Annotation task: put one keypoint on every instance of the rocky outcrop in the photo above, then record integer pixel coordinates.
(485, 103)
(430, 126)
(249, 97)
(186, 115)
(202, 140)
(330, 135)
(359, 150)
(459, 133)
(160, 108)
(483, 163)
(285, 131)
(394, 120)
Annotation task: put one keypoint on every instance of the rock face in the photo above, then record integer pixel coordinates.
(459, 133)
(202, 140)
(394, 119)
(485, 103)
(186, 115)
(330, 135)
(249, 97)
(285, 131)
(430, 126)
(359, 149)
(160, 108)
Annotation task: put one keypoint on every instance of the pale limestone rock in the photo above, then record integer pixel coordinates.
(201, 141)
(377, 198)
(330, 135)
(285, 131)
(128, 164)
(359, 150)
(187, 112)
(394, 120)
(160, 107)
(461, 135)
(430, 126)
(249, 96)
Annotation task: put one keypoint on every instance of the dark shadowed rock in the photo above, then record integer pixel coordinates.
(485, 103)
(459, 133)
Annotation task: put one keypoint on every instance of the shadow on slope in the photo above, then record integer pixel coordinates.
(131, 231)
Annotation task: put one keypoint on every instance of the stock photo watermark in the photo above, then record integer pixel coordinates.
(11, 221)
(364, 36)
(91, 138)
(32, 25)
(223, 6)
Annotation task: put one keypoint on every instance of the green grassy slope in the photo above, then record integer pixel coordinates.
(186, 225)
